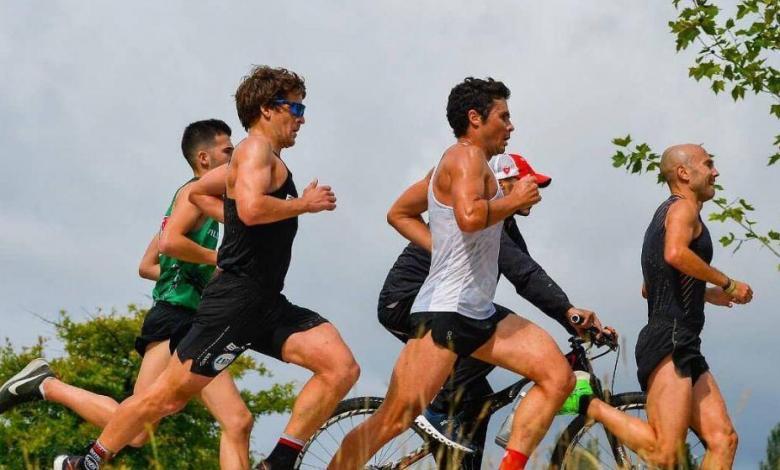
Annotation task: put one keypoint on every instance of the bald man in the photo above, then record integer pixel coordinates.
(681, 391)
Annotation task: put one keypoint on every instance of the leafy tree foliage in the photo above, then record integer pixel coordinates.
(640, 158)
(772, 450)
(734, 53)
(99, 356)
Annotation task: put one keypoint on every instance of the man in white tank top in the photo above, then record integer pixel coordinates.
(453, 314)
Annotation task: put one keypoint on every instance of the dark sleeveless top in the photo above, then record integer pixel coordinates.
(672, 295)
(260, 252)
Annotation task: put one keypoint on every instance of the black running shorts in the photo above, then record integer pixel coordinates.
(164, 321)
(233, 316)
(661, 338)
(456, 332)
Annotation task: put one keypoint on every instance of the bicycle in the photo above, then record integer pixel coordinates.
(582, 445)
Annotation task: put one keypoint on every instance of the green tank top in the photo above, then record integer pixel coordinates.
(182, 283)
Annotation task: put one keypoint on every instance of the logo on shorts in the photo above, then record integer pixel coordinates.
(223, 360)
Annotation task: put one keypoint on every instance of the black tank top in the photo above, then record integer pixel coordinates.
(260, 252)
(672, 295)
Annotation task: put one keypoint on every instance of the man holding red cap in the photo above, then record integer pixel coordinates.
(468, 381)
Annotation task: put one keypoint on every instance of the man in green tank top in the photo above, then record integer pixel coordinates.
(181, 258)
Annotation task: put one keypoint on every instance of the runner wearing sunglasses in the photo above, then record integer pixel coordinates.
(243, 307)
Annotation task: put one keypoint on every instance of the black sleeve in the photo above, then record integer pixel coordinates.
(532, 282)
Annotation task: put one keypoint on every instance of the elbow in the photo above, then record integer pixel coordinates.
(393, 218)
(469, 224)
(248, 219)
(147, 272)
(247, 215)
(673, 256)
(165, 246)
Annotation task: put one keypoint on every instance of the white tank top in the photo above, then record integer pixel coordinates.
(464, 266)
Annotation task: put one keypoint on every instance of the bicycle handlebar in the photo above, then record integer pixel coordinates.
(597, 337)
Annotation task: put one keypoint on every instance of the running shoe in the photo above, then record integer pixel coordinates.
(70, 462)
(581, 390)
(25, 386)
(444, 429)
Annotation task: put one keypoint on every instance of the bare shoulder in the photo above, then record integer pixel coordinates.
(252, 152)
(465, 159)
(682, 211)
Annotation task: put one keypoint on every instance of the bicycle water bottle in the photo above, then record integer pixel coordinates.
(502, 437)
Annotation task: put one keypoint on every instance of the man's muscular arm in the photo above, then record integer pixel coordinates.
(405, 215)
(253, 182)
(173, 237)
(473, 211)
(206, 193)
(681, 222)
(150, 261)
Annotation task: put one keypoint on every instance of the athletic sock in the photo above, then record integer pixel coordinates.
(40, 387)
(95, 456)
(513, 460)
(285, 453)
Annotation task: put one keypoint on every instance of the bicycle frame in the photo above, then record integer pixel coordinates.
(578, 360)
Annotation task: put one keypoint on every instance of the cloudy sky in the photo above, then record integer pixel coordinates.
(93, 99)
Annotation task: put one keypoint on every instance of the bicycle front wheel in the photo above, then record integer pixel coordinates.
(587, 446)
(410, 450)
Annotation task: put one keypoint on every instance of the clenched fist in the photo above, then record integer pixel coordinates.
(318, 198)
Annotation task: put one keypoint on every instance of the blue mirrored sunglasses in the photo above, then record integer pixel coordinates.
(296, 109)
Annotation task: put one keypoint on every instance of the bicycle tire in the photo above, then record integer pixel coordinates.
(318, 450)
(572, 451)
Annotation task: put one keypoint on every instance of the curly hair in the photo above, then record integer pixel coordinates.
(473, 93)
(263, 85)
(199, 134)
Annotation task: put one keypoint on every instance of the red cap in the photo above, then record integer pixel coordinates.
(510, 165)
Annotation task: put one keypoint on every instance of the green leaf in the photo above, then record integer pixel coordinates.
(775, 109)
(773, 235)
(738, 92)
(729, 23)
(718, 86)
(746, 205)
(619, 159)
(623, 142)
(773, 159)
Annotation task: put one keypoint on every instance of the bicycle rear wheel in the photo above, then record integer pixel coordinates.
(584, 447)
(410, 450)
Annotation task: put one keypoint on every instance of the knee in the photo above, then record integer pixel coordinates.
(238, 424)
(344, 375)
(723, 442)
(559, 383)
